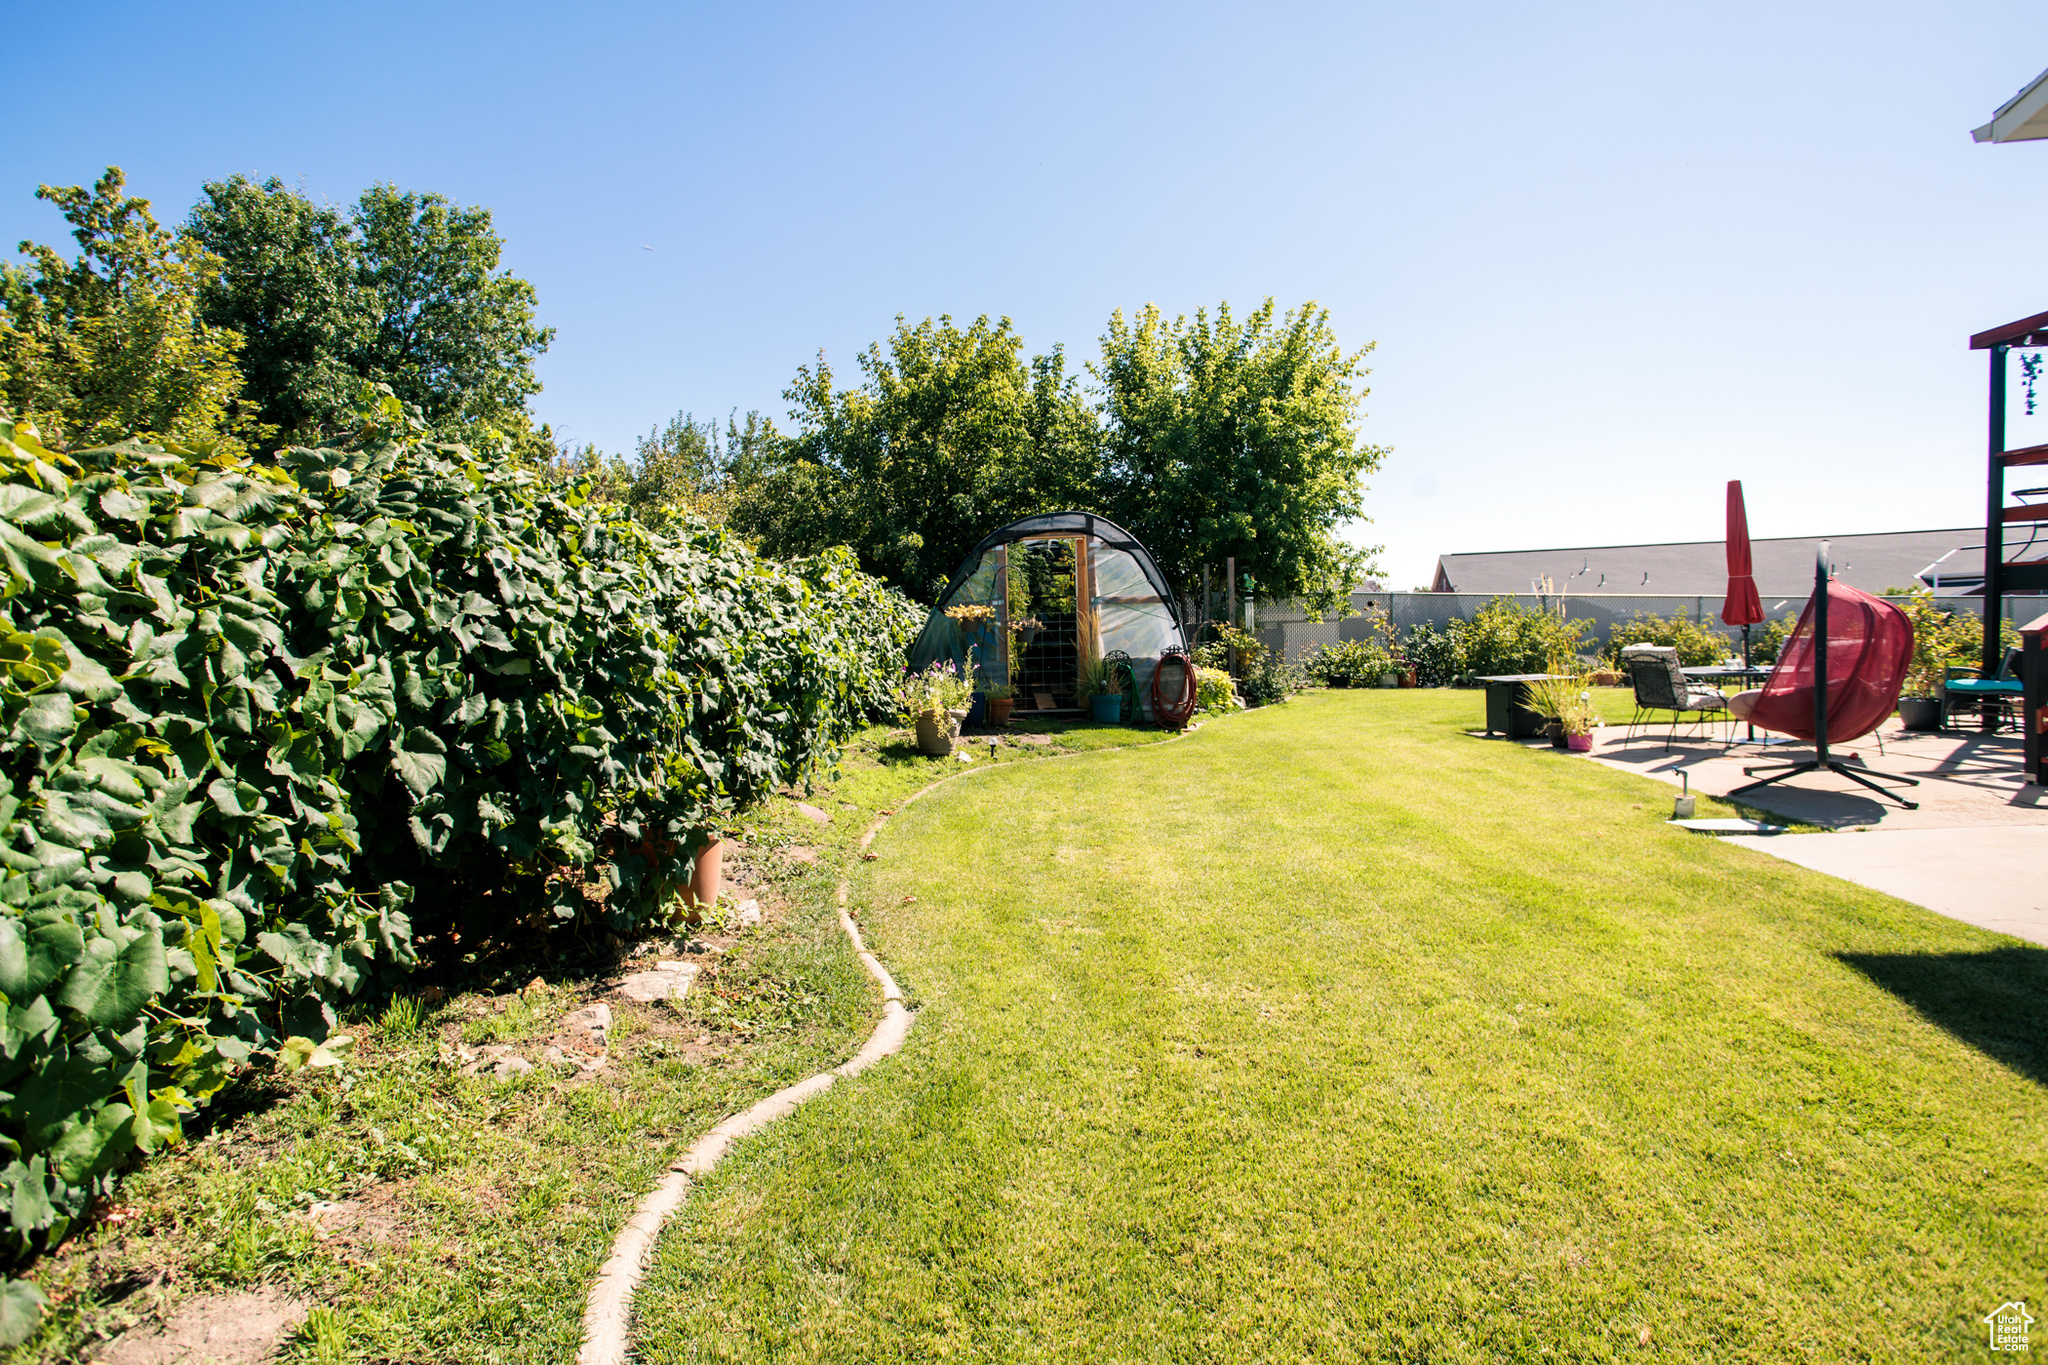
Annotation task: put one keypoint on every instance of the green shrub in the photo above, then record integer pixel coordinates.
(1943, 638)
(1354, 659)
(1698, 644)
(1433, 654)
(1268, 681)
(1768, 639)
(1505, 637)
(263, 723)
(1367, 657)
(1212, 689)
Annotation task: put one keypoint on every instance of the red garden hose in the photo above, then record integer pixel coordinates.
(1174, 713)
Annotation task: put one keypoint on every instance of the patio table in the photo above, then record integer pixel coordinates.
(1507, 704)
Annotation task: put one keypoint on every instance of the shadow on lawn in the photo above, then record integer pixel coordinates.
(1995, 1001)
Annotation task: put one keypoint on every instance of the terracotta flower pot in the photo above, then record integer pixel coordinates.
(707, 877)
(999, 710)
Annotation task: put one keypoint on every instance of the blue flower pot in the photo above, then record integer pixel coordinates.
(1109, 709)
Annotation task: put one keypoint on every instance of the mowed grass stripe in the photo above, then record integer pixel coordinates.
(1331, 1033)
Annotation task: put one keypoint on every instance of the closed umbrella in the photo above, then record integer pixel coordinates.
(1743, 607)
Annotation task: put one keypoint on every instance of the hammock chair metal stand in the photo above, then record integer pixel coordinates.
(1822, 760)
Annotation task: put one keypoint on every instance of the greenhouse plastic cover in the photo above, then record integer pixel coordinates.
(1133, 606)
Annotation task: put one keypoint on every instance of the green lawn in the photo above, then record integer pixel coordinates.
(1330, 1033)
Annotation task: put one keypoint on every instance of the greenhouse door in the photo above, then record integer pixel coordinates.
(1040, 585)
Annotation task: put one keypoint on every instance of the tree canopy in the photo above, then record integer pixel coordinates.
(951, 432)
(113, 343)
(403, 289)
(1208, 438)
(1238, 439)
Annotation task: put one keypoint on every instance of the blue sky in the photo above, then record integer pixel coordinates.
(1611, 254)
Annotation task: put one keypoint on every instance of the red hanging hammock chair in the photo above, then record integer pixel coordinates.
(1870, 648)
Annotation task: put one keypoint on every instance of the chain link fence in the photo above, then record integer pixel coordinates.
(1283, 627)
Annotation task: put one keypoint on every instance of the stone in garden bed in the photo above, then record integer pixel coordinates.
(668, 981)
(220, 1329)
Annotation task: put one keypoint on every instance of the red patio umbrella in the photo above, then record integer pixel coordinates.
(1743, 607)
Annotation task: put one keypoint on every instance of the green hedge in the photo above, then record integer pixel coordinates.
(1504, 637)
(259, 714)
(1697, 642)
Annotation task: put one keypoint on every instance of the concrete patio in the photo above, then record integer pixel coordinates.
(1975, 849)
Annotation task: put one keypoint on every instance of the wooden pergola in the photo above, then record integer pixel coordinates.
(2029, 575)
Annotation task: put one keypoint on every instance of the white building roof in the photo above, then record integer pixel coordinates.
(1783, 566)
(2023, 118)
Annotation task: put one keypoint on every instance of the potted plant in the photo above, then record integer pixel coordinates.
(1001, 697)
(1567, 705)
(1097, 681)
(1920, 712)
(1578, 718)
(971, 617)
(934, 702)
(1026, 629)
(1920, 698)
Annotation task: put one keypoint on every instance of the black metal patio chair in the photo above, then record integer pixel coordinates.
(1661, 685)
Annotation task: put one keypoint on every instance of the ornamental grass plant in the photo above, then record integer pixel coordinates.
(1567, 701)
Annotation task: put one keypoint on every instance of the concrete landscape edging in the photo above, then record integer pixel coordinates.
(608, 1310)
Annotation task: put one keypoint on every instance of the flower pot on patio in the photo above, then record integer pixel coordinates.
(999, 710)
(1557, 736)
(1920, 713)
(1579, 744)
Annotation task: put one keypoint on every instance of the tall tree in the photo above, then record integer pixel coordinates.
(951, 433)
(1229, 438)
(691, 469)
(113, 343)
(454, 333)
(405, 290)
(288, 285)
